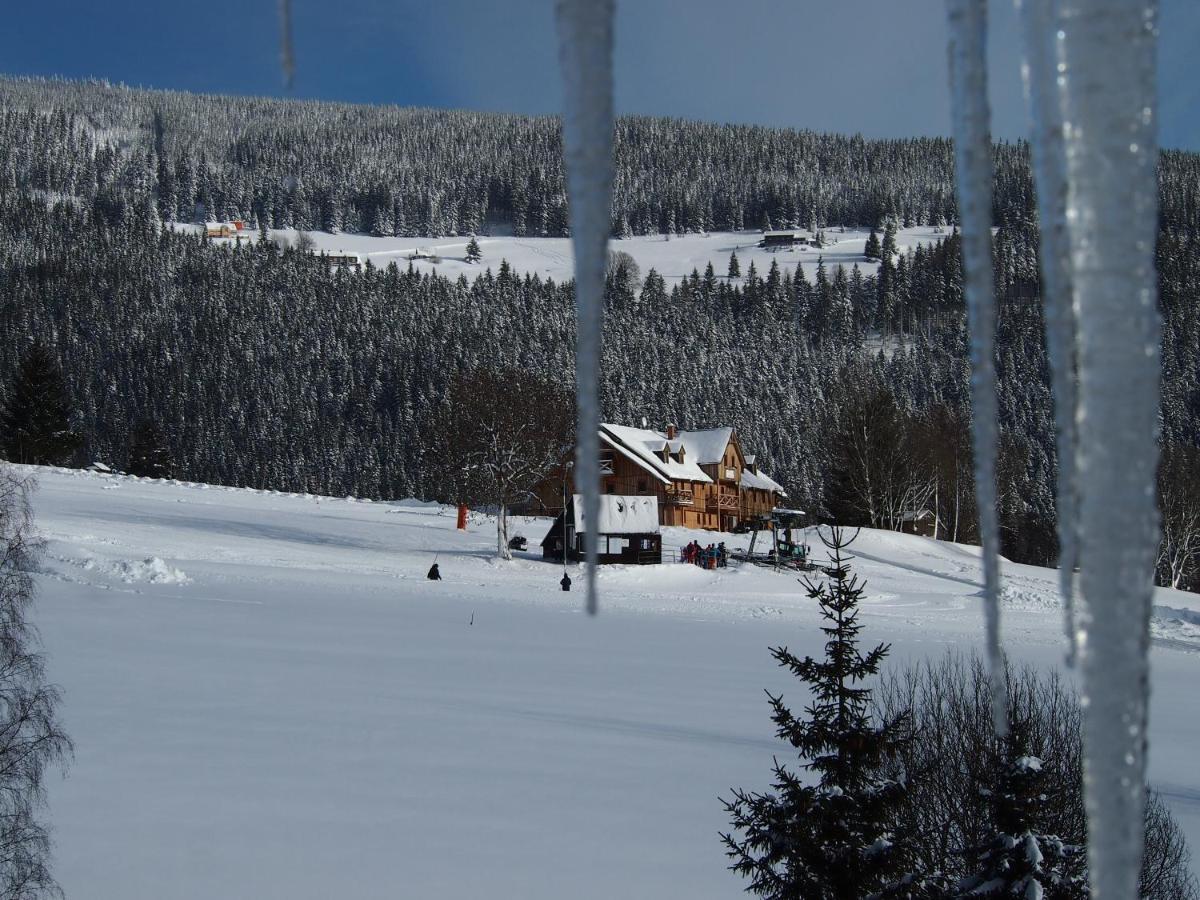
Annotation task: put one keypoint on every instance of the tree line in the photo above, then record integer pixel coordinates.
(401, 171)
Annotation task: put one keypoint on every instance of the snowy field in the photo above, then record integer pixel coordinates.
(673, 259)
(270, 700)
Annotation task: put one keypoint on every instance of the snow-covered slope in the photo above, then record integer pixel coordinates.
(270, 700)
(673, 258)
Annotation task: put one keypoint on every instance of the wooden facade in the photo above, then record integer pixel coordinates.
(702, 479)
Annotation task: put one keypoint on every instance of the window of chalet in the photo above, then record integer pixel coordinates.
(642, 486)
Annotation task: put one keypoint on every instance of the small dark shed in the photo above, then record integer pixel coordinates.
(628, 531)
(772, 239)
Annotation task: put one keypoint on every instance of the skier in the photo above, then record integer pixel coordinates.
(434, 574)
(566, 582)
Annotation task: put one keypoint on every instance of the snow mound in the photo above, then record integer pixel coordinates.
(151, 571)
(1025, 597)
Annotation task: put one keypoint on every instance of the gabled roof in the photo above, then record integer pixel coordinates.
(708, 446)
(704, 447)
(645, 447)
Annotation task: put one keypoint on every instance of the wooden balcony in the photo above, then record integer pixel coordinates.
(723, 502)
(679, 497)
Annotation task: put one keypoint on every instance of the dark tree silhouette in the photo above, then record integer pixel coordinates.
(149, 455)
(872, 250)
(36, 427)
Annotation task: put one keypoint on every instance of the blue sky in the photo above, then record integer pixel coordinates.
(876, 67)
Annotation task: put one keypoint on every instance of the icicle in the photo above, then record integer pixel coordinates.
(973, 162)
(1039, 37)
(585, 29)
(287, 57)
(1106, 85)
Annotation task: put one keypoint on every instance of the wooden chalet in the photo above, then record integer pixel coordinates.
(701, 479)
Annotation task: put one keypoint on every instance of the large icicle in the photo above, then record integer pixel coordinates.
(1106, 82)
(287, 54)
(1040, 39)
(973, 163)
(585, 30)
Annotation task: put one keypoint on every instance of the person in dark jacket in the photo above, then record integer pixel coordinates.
(434, 574)
(566, 582)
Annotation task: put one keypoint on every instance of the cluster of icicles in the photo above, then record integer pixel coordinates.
(1089, 68)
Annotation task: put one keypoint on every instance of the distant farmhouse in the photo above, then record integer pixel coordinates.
(236, 228)
(701, 479)
(340, 259)
(776, 240)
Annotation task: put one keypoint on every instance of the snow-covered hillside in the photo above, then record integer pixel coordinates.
(673, 258)
(270, 700)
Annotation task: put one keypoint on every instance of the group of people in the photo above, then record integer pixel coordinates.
(714, 556)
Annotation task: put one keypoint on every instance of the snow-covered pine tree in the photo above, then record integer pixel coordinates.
(735, 267)
(474, 254)
(872, 249)
(832, 840)
(888, 246)
(1018, 861)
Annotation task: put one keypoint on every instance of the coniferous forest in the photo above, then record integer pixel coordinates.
(263, 367)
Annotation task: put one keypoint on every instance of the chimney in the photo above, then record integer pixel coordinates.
(671, 431)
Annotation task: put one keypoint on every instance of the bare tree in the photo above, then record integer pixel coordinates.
(950, 766)
(624, 269)
(1179, 508)
(880, 471)
(499, 436)
(31, 739)
(944, 440)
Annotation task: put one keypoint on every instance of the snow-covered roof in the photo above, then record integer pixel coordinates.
(645, 448)
(706, 447)
(761, 481)
(620, 515)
